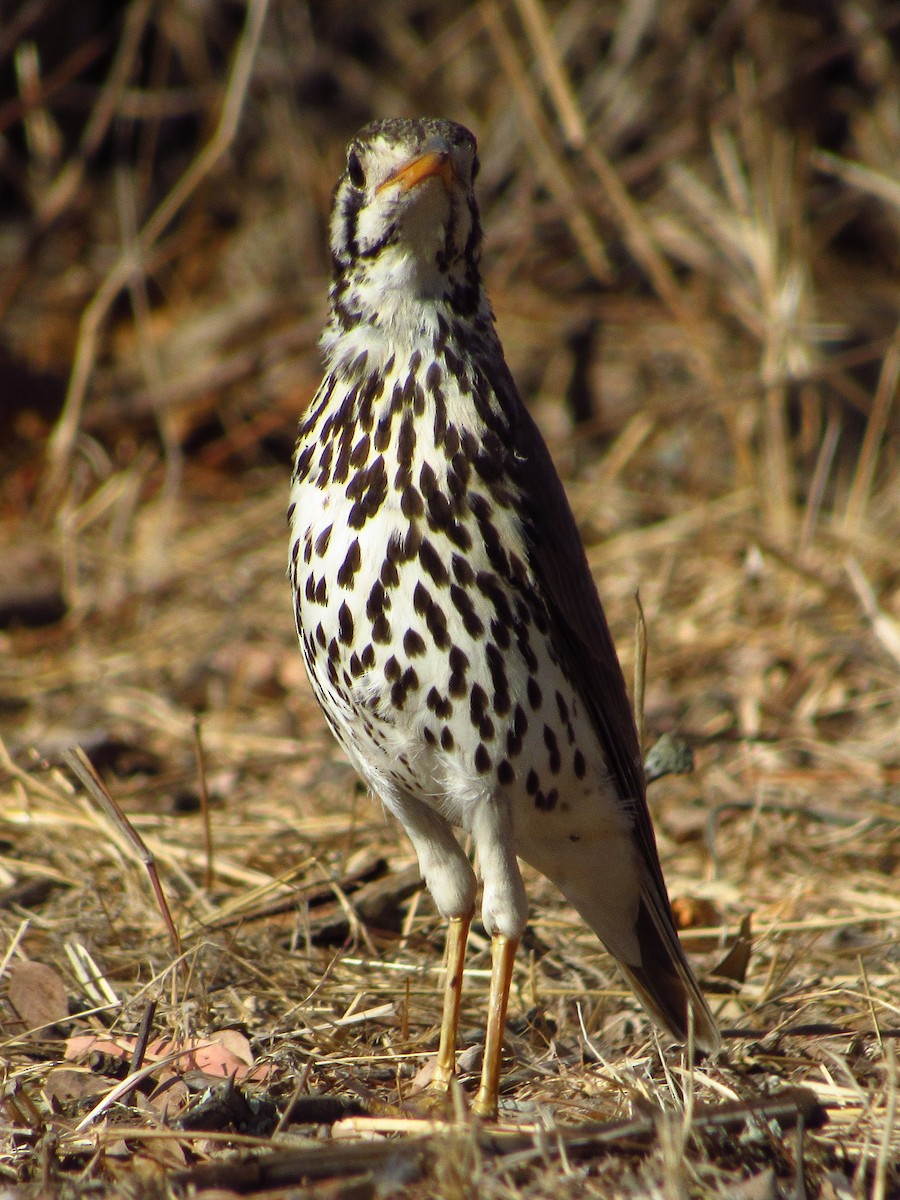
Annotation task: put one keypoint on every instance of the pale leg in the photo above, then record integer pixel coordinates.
(457, 936)
(503, 953)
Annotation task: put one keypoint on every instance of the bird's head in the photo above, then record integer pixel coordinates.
(404, 224)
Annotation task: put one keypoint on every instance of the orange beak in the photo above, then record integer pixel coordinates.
(432, 164)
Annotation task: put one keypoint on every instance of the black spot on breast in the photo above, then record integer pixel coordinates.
(350, 565)
(505, 772)
(403, 547)
(418, 399)
(324, 476)
(493, 547)
(303, 462)
(440, 416)
(408, 682)
(433, 563)
(455, 369)
(516, 735)
(342, 463)
(413, 643)
(462, 570)
(552, 749)
(422, 600)
(439, 705)
(520, 721)
(368, 489)
(501, 634)
(578, 765)
(345, 624)
(433, 376)
(390, 576)
(461, 469)
(435, 619)
(482, 759)
(383, 431)
(533, 690)
(524, 647)
(381, 630)
(546, 803)
(436, 622)
(378, 601)
(360, 453)
(466, 609)
(490, 587)
(478, 712)
(459, 535)
(459, 665)
(541, 622)
(369, 393)
(406, 443)
(447, 740)
(490, 461)
(411, 504)
(428, 483)
(322, 541)
(501, 698)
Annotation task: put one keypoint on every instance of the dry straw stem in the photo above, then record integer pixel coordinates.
(554, 172)
(131, 261)
(79, 763)
(556, 175)
(875, 429)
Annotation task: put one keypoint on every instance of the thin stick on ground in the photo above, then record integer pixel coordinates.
(82, 767)
(209, 873)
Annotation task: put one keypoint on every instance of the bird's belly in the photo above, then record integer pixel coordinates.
(439, 677)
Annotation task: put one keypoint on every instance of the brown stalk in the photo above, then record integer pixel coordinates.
(82, 767)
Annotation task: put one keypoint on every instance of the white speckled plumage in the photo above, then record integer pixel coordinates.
(445, 610)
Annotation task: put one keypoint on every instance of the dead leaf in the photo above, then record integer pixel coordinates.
(82, 1045)
(38, 995)
(692, 912)
(170, 1099)
(70, 1083)
(225, 1054)
(734, 965)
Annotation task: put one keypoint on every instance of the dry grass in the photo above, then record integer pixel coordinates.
(692, 214)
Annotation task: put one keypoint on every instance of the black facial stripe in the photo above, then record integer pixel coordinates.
(388, 238)
(351, 203)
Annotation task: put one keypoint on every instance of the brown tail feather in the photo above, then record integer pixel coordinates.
(665, 983)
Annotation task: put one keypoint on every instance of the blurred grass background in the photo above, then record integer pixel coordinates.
(692, 214)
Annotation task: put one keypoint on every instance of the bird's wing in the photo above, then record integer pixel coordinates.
(583, 639)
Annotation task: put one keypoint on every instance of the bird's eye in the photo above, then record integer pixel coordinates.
(355, 170)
